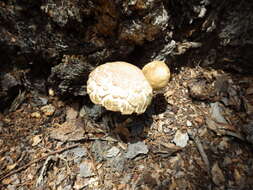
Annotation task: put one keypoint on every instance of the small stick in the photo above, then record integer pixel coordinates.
(199, 145)
(9, 173)
(202, 153)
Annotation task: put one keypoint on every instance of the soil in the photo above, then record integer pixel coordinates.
(217, 153)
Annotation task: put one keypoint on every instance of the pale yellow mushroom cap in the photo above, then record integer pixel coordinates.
(120, 86)
(157, 73)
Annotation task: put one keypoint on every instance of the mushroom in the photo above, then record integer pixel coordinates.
(123, 87)
(157, 73)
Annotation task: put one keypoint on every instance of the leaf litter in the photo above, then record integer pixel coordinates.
(192, 137)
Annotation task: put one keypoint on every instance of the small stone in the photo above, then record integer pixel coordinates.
(112, 152)
(135, 149)
(35, 115)
(188, 123)
(48, 110)
(181, 139)
(86, 169)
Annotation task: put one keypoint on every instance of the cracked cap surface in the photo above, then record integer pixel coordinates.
(120, 86)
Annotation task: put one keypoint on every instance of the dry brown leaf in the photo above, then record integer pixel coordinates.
(12, 166)
(68, 131)
(36, 140)
(217, 175)
(7, 181)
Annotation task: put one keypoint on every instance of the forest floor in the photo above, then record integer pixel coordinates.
(197, 134)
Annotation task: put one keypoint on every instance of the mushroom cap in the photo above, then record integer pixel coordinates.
(119, 86)
(157, 73)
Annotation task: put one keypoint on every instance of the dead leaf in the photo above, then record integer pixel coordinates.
(217, 175)
(36, 140)
(7, 181)
(68, 131)
(223, 129)
(71, 113)
(166, 148)
(12, 166)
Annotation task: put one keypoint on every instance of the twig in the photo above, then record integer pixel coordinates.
(199, 145)
(42, 172)
(202, 153)
(9, 173)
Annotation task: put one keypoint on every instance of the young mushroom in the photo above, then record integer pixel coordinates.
(123, 87)
(157, 73)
